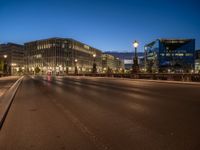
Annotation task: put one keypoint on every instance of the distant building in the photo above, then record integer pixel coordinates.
(58, 55)
(170, 55)
(11, 56)
(127, 58)
(111, 64)
(197, 61)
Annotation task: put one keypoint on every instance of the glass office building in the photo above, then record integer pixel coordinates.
(58, 55)
(197, 61)
(170, 55)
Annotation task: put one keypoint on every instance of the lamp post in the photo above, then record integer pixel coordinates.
(5, 67)
(135, 67)
(76, 69)
(145, 59)
(94, 69)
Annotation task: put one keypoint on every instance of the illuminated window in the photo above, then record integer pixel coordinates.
(167, 54)
(179, 54)
(188, 54)
(162, 54)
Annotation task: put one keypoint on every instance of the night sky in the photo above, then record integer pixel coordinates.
(110, 25)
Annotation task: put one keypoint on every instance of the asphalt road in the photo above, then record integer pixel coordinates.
(78, 113)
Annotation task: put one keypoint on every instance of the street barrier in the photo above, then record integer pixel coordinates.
(159, 76)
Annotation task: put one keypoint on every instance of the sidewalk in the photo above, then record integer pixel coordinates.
(6, 83)
(169, 81)
(8, 89)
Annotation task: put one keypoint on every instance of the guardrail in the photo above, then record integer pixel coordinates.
(159, 76)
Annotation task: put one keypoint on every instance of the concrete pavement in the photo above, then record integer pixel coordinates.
(6, 83)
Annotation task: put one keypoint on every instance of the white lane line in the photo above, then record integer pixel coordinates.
(84, 129)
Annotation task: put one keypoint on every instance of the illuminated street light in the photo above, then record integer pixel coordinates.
(145, 59)
(5, 66)
(94, 69)
(135, 67)
(76, 69)
(5, 56)
(135, 44)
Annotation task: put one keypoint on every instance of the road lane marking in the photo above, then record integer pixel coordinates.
(84, 129)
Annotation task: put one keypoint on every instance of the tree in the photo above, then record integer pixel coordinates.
(20, 70)
(37, 70)
(1, 65)
(94, 69)
(109, 70)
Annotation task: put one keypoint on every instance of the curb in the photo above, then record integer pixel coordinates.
(7, 100)
(142, 80)
(169, 82)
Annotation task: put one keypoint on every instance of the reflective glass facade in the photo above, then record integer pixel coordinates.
(170, 55)
(197, 62)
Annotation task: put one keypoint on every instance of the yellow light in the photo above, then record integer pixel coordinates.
(135, 44)
(94, 55)
(5, 56)
(76, 60)
(13, 64)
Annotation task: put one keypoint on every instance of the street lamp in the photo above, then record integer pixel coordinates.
(135, 44)
(5, 56)
(94, 69)
(145, 59)
(135, 67)
(76, 69)
(5, 64)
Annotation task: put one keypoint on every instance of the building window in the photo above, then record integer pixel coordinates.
(188, 54)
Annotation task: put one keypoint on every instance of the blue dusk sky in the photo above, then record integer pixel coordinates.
(109, 25)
